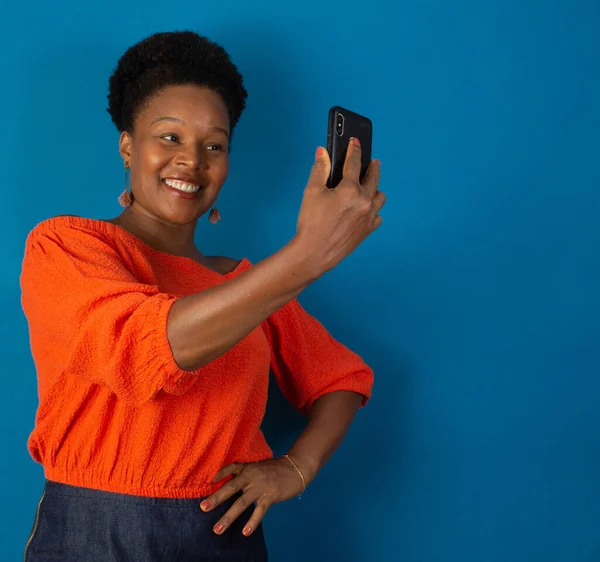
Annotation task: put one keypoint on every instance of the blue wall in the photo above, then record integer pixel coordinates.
(477, 301)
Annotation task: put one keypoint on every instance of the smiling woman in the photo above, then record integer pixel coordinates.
(178, 152)
(153, 358)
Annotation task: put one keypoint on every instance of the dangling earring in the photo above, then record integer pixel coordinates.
(125, 199)
(214, 216)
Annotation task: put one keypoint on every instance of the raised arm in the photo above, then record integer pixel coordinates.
(331, 224)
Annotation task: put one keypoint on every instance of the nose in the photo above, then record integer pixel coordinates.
(192, 156)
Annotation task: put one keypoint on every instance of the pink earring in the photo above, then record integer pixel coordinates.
(125, 199)
(214, 216)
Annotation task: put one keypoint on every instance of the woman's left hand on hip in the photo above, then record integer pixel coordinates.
(265, 482)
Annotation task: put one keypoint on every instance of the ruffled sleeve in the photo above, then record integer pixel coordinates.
(308, 362)
(90, 317)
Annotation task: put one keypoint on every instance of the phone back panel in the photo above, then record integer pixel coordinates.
(354, 125)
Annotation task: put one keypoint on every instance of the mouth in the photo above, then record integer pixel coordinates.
(182, 188)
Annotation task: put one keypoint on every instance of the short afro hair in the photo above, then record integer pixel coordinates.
(168, 59)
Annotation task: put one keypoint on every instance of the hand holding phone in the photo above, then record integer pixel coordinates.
(333, 222)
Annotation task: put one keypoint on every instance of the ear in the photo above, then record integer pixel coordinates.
(125, 146)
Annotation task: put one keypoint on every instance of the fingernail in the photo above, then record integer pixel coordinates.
(247, 531)
(205, 505)
(319, 152)
(377, 162)
(219, 528)
(356, 141)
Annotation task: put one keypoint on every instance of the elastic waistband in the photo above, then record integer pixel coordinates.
(58, 489)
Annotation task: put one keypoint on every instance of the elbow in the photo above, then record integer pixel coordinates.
(186, 363)
(190, 360)
(183, 341)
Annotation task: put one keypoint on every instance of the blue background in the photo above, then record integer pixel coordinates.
(476, 302)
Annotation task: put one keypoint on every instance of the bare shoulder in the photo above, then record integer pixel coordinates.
(223, 264)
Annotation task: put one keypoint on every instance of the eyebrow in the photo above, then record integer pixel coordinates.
(182, 122)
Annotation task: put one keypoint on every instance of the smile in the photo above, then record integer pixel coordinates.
(182, 185)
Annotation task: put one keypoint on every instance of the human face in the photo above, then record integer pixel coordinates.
(181, 135)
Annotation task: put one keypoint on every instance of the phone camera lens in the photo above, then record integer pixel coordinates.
(339, 125)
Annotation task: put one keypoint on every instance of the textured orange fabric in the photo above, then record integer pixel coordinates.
(116, 412)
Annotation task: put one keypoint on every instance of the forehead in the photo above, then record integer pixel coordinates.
(195, 105)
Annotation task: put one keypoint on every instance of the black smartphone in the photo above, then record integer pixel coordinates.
(343, 125)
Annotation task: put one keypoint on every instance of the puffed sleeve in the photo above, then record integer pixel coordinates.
(90, 317)
(308, 362)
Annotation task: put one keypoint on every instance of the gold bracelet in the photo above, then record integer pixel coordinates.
(298, 471)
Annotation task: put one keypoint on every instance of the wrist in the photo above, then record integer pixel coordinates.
(302, 260)
(293, 466)
(308, 466)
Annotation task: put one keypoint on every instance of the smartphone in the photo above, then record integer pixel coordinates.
(343, 125)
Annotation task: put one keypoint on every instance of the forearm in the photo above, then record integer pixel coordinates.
(203, 326)
(328, 421)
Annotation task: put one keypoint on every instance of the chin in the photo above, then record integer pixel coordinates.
(179, 216)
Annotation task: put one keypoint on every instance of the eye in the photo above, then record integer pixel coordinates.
(170, 137)
(216, 146)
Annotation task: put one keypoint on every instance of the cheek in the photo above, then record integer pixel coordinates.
(156, 159)
(151, 158)
(220, 171)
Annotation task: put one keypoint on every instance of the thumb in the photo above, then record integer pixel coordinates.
(321, 168)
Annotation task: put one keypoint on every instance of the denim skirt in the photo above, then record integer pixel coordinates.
(75, 524)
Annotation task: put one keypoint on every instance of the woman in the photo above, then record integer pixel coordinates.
(153, 359)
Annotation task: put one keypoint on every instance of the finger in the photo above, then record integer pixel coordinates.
(321, 168)
(259, 512)
(234, 468)
(370, 182)
(378, 202)
(377, 222)
(352, 161)
(224, 493)
(239, 506)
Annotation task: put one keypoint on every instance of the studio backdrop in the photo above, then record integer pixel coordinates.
(477, 302)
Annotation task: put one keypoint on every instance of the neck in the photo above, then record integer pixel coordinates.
(177, 239)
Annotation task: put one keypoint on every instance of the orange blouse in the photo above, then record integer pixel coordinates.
(116, 412)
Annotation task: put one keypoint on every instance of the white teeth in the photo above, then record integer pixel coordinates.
(182, 186)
